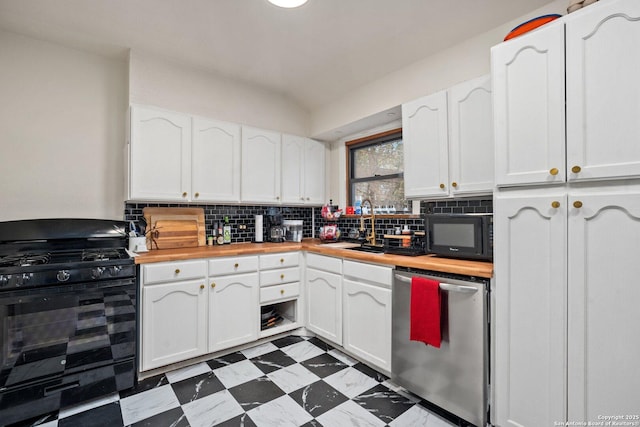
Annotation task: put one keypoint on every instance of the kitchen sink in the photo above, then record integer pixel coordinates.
(377, 250)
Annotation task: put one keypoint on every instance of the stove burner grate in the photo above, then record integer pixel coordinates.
(25, 260)
(100, 254)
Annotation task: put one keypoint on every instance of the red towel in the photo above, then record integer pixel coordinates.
(425, 311)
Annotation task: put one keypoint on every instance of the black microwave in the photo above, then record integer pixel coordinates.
(460, 235)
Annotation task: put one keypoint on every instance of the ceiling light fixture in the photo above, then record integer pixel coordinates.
(288, 3)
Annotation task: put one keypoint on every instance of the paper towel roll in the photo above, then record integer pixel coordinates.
(258, 226)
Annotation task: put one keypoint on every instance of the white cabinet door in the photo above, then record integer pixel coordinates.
(531, 326)
(367, 322)
(174, 322)
(292, 169)
(215, 162)
(160, 155)
(324, 298)
(471, 137)
(233, 310)
(604, 301)
(314, 174)
(260, 165)
(426, 157)
(303, 170)
(529, 107)
(603, 89)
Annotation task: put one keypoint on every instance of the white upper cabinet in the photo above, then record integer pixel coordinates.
(160, 166)
(215, 153)
(303, 170)
(529, 117)
(603, 91)
(176, 157)
(471, 137)
(260, 165)
(448, 142)
(426, 157)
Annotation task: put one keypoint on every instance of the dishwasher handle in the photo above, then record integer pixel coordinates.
(445, 286)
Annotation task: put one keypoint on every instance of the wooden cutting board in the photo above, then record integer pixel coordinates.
(175, 227)
(178, 233)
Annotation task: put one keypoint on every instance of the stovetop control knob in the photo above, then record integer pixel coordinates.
(63, 275)
(114, 270)
(24, 279)
(97, 272)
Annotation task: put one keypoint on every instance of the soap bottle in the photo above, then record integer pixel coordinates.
(226, 230)
(358, 207)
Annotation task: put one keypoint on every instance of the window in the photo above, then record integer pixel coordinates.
(376, 171)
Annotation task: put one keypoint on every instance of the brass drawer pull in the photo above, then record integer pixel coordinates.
(576, 169)
(236, 265)
(213, 285)
(554, 171)
(555, 204)
(177, 271)
(281, 291)
(282, 276)
(201, 286)
(577, 204)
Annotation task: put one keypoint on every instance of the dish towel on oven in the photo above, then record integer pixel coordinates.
(425, 311)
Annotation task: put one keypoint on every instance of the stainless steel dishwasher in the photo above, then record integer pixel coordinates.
(455, 376)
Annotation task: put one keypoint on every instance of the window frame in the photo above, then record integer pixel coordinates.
(378, 138)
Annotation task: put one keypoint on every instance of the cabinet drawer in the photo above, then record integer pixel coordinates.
(173, 271)
(281, 275)
(232, 265)
(326, 263)
(370, 273)
(289, 259)
(280, 292)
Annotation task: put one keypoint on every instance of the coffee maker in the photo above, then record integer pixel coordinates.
(275, 228)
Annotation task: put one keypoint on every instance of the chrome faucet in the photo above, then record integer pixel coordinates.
(372, 237)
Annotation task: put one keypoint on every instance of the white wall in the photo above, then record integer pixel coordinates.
(462, 62)
(62, 115)
(172, 86)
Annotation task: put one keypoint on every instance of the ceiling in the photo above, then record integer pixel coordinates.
(312, 54)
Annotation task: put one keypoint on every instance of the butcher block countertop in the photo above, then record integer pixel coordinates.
(425, 262)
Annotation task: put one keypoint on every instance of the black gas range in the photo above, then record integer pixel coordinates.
(68, 314)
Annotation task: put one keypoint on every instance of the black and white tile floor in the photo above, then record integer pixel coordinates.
(291, 381)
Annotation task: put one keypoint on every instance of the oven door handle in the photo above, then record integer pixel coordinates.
(444, 286)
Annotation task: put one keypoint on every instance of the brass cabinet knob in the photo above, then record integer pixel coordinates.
(555, 204)
(281, 291)
(201, 286)
(302, 198)
(197, 195)
(184, 194)
(177, 271)
(281, 260)
(554, 171)
(576, 169)
(277, 197)
(577, 204)
(454, 184)
(282, 276)
(213, 285)
(308, 198)
(442, 186)
(236, 265)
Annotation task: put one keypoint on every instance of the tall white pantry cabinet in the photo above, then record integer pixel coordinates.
(567, 219)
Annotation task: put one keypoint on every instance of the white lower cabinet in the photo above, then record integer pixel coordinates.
(233, 310)
(566, 269)
(367, 313)
(174, 322)
(324, 297)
